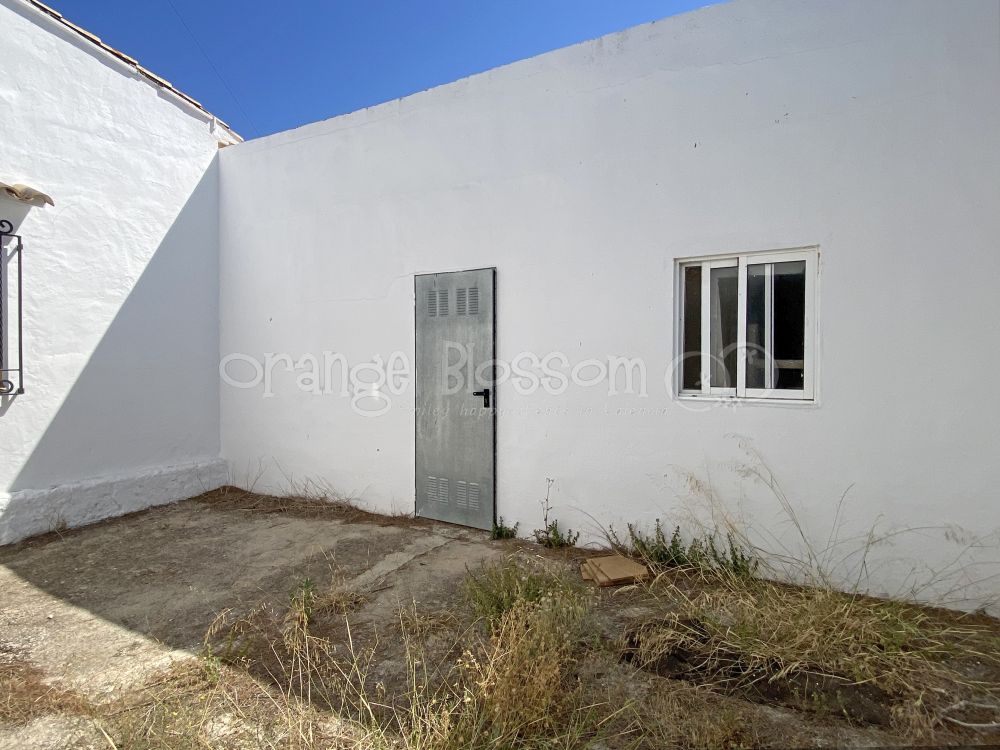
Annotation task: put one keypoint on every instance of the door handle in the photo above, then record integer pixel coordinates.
(485, 393)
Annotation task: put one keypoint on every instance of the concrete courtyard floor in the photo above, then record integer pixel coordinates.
(99, 610)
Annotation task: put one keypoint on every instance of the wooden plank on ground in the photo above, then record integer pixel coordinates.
(613, 570)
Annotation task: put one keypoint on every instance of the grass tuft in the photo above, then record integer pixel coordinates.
(701, 553)
(498, 588)
(502, 531)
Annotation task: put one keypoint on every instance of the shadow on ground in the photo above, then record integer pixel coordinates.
(103, 607)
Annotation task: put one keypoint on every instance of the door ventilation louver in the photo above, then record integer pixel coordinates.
(467, 495)
(438, 490)
(437, 303)
(467, 301)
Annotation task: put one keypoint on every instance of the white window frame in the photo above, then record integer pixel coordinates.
(741, 260)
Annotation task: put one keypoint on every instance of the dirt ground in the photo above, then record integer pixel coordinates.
(95, 613)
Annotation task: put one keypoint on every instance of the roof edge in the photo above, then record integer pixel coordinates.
(149, 75)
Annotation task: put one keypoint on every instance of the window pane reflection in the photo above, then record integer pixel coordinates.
(776, 309)
(723, 321)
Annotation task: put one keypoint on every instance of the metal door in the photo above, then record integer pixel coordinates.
(455, 400)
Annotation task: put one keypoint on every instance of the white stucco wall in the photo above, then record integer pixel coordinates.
(120, 284)
(871, 129)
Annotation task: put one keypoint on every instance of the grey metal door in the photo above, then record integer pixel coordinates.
(455, 433)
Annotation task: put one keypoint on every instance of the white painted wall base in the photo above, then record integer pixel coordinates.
(25, 513)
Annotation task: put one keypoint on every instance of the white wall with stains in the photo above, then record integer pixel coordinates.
(121, 407)
(870, 129)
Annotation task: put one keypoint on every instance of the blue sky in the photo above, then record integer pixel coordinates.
(269, 66)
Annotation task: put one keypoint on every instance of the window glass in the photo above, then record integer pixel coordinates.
(757, 320)
(723, 315)
(789, 316)
(691, 359)
(776, 307)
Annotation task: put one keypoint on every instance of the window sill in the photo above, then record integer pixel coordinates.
(734, 401)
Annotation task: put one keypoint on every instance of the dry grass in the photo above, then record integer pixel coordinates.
(25, 695)
(496, 588)
(512, 672)
(339, 599)
(513, 684)
(420, 625)
(682, 717)
(735, 632)
(844, 554)
(305, 502)
(201, 704)
(265, 680)
(514, 688)
(871, 660)
(277, 647)
(516, 683)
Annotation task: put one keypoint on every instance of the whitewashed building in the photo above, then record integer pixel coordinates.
(737, 263)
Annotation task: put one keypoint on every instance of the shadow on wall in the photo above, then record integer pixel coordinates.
(147, 397)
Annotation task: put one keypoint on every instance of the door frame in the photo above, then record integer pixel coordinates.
(493, 387)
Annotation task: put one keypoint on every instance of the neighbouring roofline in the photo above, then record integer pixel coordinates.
(131, 62)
